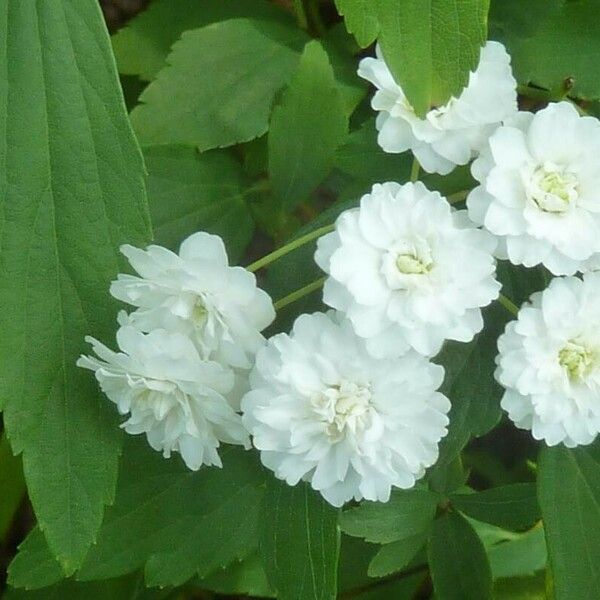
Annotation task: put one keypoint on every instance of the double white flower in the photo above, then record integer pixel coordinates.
(181, 402)
(322, 409)
(540, 190)
(186, 349)
(408, 270)
(449, 135)
(549, 363)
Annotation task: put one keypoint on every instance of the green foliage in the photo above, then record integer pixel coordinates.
(459, 566)
(71, 191)
(429, 46)
(235, 92)
(189, 191)
(569, 493)
(564, 45)
(512, 506)
(299, 542)
(302, 140)
(12, 485)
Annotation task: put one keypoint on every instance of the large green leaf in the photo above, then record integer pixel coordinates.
(512, 506)
(142, 46)
(430, 46)
(567, 45)
(300, 542)
(71, 191)
(219, 84)
(520, 557)
(303, 139)
(459, 566)
(177, 522)
(189, 191)
(569, 493)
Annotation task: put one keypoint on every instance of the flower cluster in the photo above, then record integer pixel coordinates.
(349, 400)
(185, 349)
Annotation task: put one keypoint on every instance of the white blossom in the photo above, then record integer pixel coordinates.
(198, 294)
(182, 403)
(321, 409)
(408, 270)
(540, 190)
(549, 363)
(449, 135)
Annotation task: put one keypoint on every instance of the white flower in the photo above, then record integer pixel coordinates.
(196, 293)
(408, 270)
(540, 190)
(451, 134)
(323, 410)
(549, 363)
(182, 403)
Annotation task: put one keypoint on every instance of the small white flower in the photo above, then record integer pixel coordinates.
(408, 270)
(182, 403)
(321, 409)
(198, 294)
(549, 363)
(451, 134)
(540, 190)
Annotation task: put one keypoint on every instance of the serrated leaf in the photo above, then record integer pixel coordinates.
(300, 542)
(512, 506)
(430, 47)
(567, 45)
(71, 191)
(189, 191)
(569, 494)
(303, 138)
(457, 560)
(395, 556)
(408, 513)
(176, 522)
(219, 84)
(142, 46)
(34, 566)
(361, 19)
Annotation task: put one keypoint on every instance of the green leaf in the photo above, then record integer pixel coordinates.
(306, 129)
(189, 191)
(522, 588)
(430, 47)
(245, 577)
(34, 567)
(457, 560)
(361, 19)
(177, 522)
(470, 384)
(300, 542)
(569, 494)
(396, 555)
(567, 45)
(520, 557)
(522, 18)
(130, 587)
(511, 506)
(408, 513)
(219, 84)
(71, 191)
(142, 46)
(12, 485)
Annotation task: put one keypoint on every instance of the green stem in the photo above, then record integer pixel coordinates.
(414, 170)
(534, 93)
(303, 291)
(508, 304)
(314, 13)
(276, 254)
(300, 14)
